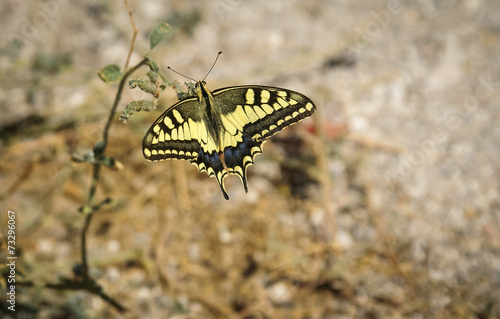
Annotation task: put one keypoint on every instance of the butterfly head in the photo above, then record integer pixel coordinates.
(201, 91)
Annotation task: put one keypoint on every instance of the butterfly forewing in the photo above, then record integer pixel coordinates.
(262, 111)
(175, 133)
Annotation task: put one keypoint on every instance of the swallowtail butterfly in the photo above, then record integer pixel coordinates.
(222, 131)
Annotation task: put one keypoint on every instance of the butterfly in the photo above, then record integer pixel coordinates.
(222, 131)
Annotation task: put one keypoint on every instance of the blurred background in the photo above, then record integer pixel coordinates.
(384, 204)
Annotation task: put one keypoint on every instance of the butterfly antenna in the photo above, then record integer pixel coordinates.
(187, 77)
(212, 65)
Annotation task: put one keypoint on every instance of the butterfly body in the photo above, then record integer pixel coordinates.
(222, 131)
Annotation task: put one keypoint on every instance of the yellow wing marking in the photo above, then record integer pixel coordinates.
(250, 96)
(251, 114)
(238, 118)
(229, 126)
(168, 122)
(177, 116)
(187, 131)
(260, 113)
(267, 108)
(180, 133)
(264, 96)
(282, 102)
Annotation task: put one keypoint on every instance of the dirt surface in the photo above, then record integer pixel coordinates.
(385, 204)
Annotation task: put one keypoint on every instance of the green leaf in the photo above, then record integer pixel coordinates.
(110, 73)
(161, 31)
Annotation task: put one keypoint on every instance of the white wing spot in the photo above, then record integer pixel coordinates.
(309, 106)
(277, 106)
(147, 152)
(280, 122)
(161, 137)
(156, 128)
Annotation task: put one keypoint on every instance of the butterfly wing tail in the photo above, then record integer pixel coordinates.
(212, 164)
(238, 158)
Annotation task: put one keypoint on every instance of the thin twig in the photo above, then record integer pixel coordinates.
(95, 180)
(132, 44)
(97, 166)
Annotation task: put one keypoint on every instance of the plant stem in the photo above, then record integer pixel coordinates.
(97, 168)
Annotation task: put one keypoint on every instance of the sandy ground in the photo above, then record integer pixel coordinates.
(385, 204)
